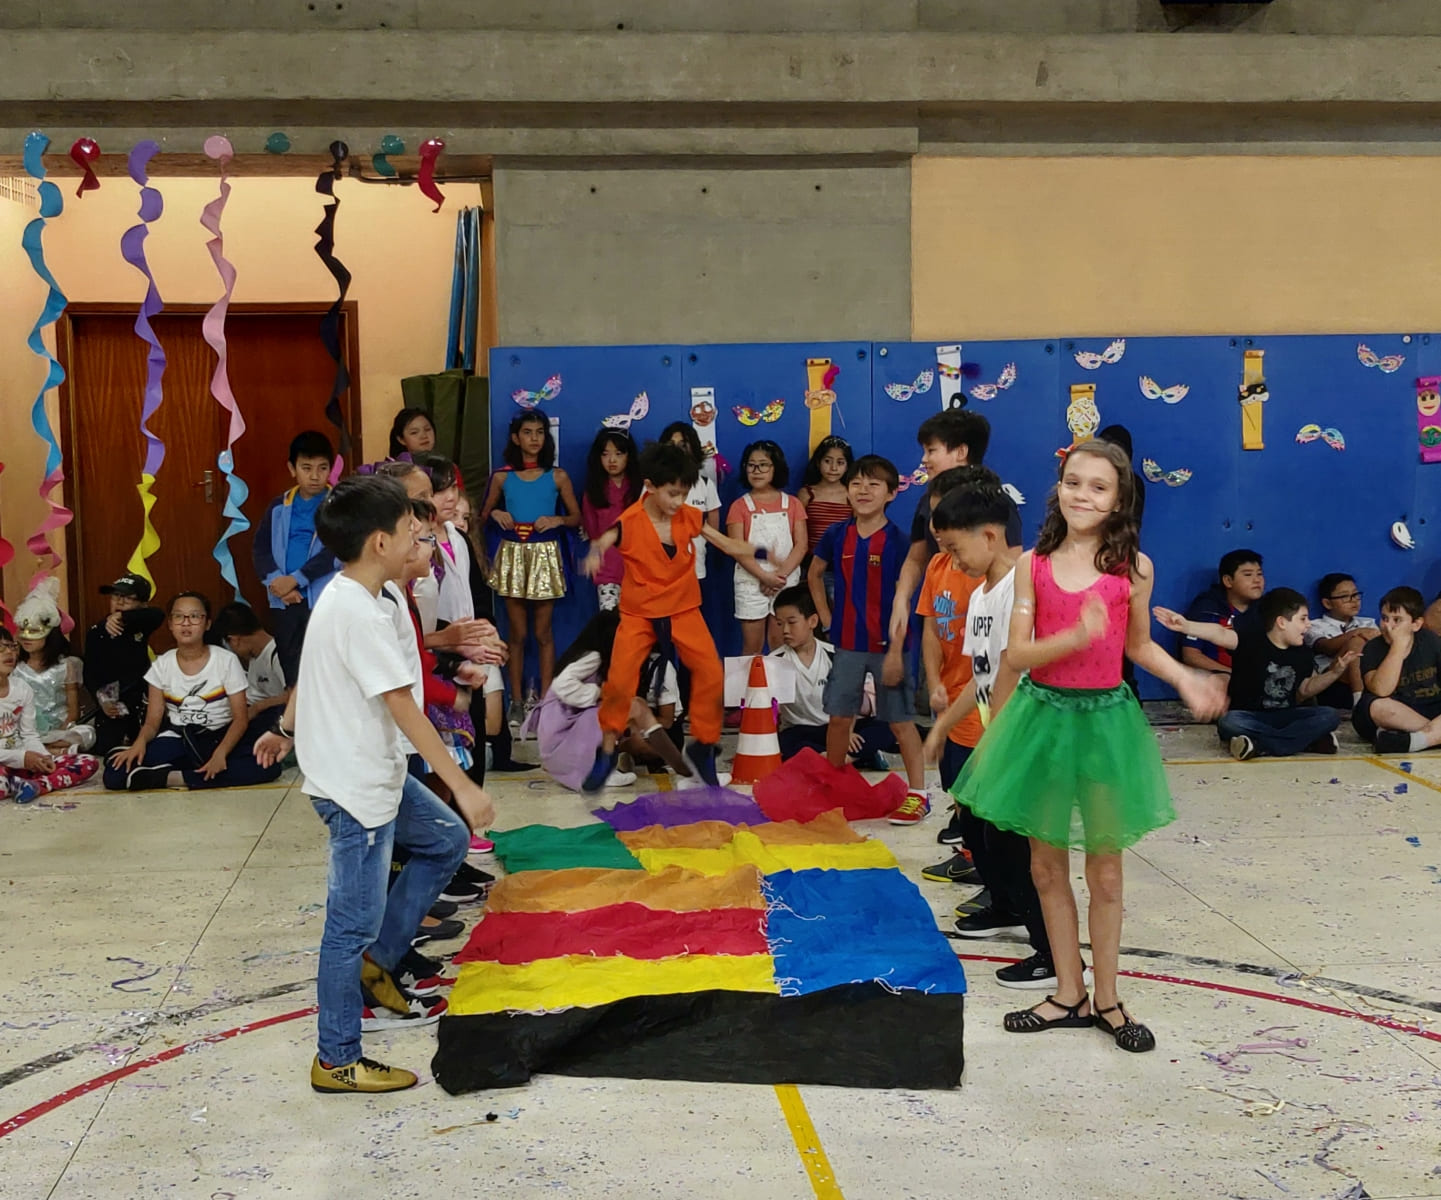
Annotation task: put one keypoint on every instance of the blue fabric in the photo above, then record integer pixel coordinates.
(301, 536)
(273, 535)
(861, 613)
(460, 337)
(527, 502)
(828, 928)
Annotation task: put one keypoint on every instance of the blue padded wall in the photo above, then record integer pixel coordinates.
(1308, 508)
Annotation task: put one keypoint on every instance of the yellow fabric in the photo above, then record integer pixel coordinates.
(746, 847)
(580, 981)
(829, 828)
(665, 890)
(149, 540)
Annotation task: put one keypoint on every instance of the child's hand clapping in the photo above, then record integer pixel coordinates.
(1093, 619)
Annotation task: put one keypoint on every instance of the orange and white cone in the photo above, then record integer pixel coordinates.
(758, 750)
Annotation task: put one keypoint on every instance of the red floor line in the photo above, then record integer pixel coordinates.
(20, 1120)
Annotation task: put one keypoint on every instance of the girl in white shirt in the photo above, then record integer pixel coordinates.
(27, 768)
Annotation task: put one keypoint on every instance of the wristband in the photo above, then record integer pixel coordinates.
(280, 728)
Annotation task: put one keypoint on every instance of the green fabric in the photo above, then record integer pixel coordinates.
(546, 848)
(1071, 767)
(459, 408)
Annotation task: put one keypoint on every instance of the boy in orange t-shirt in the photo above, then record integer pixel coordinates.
(660, 602)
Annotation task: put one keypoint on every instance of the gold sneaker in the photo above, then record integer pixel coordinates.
(377, 981)
(363, 1075)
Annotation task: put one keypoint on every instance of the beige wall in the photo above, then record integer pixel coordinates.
(1033, 247)
(398, 252)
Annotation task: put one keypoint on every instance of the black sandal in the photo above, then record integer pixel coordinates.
(1130, 1035)
(1028, 1020)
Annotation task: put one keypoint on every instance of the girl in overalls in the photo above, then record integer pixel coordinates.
(775, 524)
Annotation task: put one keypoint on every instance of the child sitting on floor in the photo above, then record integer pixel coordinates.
(803, 722)
(197, 733)
(1400, 710)
(27, 768)
(52, 672)
(1271, 674)
(1343, 628)
(117, 655)
(265, 684)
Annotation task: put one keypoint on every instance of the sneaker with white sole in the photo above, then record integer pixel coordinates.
(420, 975)
(989, 923)
(423, 1010)
(619, 778)
(1034, 973)
(954, 833)
(1242, 748)
(914, 809)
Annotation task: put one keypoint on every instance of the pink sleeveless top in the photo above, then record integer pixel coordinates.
(1099, 664)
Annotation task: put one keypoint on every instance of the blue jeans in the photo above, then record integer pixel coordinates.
(1279, 731)
(361, 916)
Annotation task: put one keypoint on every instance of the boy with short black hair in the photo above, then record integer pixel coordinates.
(117, 656)
(1271, 674)
(1341, 629)
(266, 686)
(803, 722)
(660, 602)
(866, 554)
(1400, 710)
(1226, 603)
(290, 558)
(357, 697)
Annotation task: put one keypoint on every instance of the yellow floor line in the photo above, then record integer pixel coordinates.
(808, 1143)
(1385, 766)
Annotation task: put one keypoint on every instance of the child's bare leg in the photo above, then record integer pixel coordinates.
(1353, 677)
(753, 635)
(838, 740)
(494, 715)
(1051, 872)
(912, 753)
(1103, 879)
(544, 642)
(518, 617)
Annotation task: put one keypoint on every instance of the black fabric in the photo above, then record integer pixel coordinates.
(288, 624)
(124, 658)
(1419, 684)
(921, 525)
(1264, 675)
(858, 1035)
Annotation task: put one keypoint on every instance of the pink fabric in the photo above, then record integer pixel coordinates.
(596, 521)
(739, 512)
(566, 737)
(1099, 664)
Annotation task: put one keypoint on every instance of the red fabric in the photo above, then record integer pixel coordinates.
(629, 929)
(805, 786)
(438, 691)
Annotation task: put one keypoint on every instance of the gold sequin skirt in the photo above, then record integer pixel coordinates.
(528, 571)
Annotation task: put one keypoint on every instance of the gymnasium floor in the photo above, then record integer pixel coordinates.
(1290, 909)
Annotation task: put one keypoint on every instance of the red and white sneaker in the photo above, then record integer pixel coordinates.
(914, 809)
(420, 975)
(424, 1010)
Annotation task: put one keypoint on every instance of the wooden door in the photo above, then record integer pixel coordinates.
(281, 376)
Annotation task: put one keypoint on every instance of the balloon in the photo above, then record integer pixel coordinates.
(86, 151)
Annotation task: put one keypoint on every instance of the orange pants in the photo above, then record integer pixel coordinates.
(633, 642)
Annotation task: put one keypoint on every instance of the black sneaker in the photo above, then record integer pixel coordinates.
(977, 903)
(147, 779)
(420, 975)
(600, 770)
(1392, 741)
(442, 932)
(458, 891)
(988, 923)
(957, 869)
(1037, 972)
(701, 757)
(951, 835)
(443, 909)
(482, 879)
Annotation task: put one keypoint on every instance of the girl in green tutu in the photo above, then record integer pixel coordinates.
(1070, 760)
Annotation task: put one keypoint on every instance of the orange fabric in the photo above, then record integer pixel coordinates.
(693, 644)
(671, 890)
(946, 595)
(656, 585)
(828, 829)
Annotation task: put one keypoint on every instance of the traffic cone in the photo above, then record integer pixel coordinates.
(758, 749)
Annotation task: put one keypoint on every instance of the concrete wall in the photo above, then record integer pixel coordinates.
(711, 254)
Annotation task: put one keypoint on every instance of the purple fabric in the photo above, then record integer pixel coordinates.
(683, 808)
(567, 737)
(132, 250)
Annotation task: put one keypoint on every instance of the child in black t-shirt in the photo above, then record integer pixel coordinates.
(1400, 710)
(1271, 673)
(117, 655)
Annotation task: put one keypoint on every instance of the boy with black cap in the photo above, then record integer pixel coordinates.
(117, 655)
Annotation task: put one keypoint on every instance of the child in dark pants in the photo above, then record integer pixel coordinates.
(117, 655)
(970, 526)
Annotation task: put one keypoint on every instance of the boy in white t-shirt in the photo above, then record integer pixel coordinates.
(804, 721)
(266, 686)
(356, 708)
(970, 525)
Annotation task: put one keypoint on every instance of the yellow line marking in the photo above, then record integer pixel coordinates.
(808, 1143)
(1385, 766)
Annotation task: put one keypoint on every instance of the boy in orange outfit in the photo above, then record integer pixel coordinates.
(660, 602)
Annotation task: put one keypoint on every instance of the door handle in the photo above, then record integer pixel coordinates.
(208, 483)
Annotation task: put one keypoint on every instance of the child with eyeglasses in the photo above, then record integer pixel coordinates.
(775, 524)
(1341, 630)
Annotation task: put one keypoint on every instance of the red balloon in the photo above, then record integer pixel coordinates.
(86, 151)
(430, 150)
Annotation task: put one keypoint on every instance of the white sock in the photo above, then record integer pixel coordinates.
(1356, 698)
(1418, 742)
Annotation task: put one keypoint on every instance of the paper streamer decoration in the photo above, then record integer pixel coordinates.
(1083, 418)
(132, 250)
(702, 419)
(1254, 395)
(1369, 358)
(989, 391)
(770, 414)
(213, 330)
(1090, 361)
(1166, 395)
(1428, 422)
(51, 205)
(901, 392)
(7, 556)
(85, 152)
(1152, 471)
(820, 398)
(330, 323)
(639, 407)
(948, 367)
(430, 150)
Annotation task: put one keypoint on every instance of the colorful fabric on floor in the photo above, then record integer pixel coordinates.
(546, 848)
(746, 847)
(684, 808)
(805, 786)
(830, 828)
(671, 890)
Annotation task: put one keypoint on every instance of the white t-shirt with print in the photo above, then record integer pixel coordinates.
(265, 678)
(988, 627)
(704, 497)
(201, 699)
(17, 725)
(345, 738)
(1325, 628)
